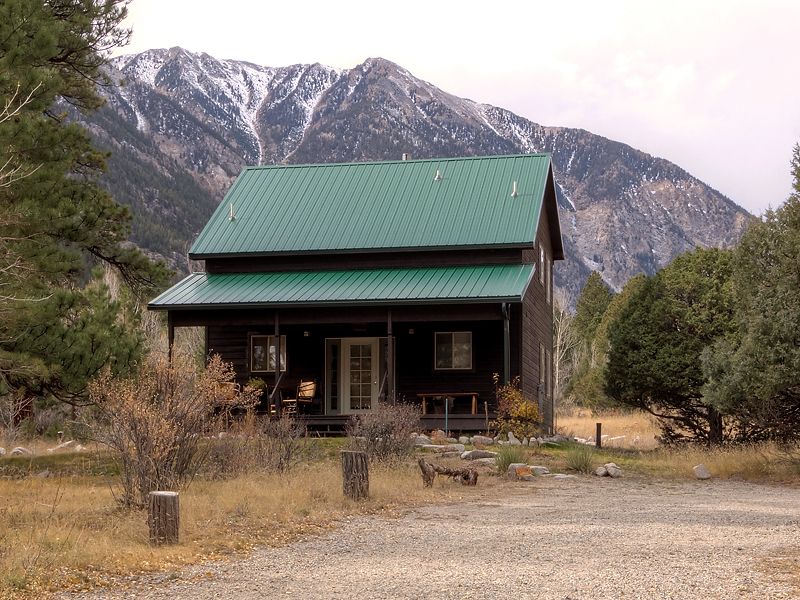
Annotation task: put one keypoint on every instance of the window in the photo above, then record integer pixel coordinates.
(542, 369)
(453, 350)
(541, 263)
(548, 276)
(262, 353)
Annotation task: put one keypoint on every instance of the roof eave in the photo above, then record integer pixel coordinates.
(339, 303)
(404, 249)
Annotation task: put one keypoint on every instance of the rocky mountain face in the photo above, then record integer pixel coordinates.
(182, 125)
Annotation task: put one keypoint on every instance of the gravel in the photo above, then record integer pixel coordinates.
(571, 539)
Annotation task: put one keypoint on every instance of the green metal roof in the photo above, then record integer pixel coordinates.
(470, 284)
(379, 205)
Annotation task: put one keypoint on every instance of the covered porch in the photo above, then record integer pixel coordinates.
(433, 337)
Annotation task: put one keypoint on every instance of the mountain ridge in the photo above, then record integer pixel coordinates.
(188, 123)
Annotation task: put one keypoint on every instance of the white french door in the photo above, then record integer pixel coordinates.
(359, 374)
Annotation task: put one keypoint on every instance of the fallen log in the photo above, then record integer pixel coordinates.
(429, 471)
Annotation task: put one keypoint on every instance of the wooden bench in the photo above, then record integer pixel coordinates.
(424, 396)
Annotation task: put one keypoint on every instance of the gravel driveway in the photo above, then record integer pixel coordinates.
(573, 539)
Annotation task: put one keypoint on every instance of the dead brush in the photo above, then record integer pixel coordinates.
(385, 432)
(156, 421)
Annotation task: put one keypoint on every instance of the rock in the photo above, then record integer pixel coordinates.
(463, 440)
(473, 454)
(512, 469)
(485, 462)
(524, 441)
(540, 470)
(533, 443)
(701, 471)
(438, 434)
(512, 439)
(80, 448)
(43, 474)
(422, 440)
(451, 440)
(61, 446)
(20, 450)
(444, 447)
(2, 451)
(601, 472)
(524, 473)
(454, 454)
(562, 476)
(482, 440)
(613, 470)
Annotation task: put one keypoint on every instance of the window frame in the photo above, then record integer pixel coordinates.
(452, 347)
(268, 345)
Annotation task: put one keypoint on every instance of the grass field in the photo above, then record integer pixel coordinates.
(626, 429)
(62, 528)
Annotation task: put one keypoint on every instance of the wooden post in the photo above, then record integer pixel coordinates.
(163, 517)
(390, 394)
(598, 437)
(355, 474)
(275, 395)
(170, 335)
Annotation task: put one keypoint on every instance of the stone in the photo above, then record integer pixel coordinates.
(449, 454)
(484, 462)
(540, 470)
(422, 440)
(444, 447)
(524, 441)
(601, 472)
(451, 440)
(20, 450)
(512, 439)
(438, 434)
(43, 474)
(473, 454)
(2, 451)
(533, 443)
(562, 476)
(464, 440)
(482, 440)
(613, 470)
(701, 471)
(524, 473)
(512, 469)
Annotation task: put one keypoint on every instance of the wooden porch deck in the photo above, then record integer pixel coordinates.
(457, 423)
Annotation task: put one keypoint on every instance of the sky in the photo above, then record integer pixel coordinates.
(711, 85)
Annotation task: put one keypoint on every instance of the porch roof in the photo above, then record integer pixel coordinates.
(357, 287)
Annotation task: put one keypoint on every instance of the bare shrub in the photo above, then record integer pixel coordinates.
(155, 421)
(257, 443)
(384, 433)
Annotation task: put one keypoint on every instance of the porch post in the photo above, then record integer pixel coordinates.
(389, 359)
(276, 396)
(506, 343)
(170, 335)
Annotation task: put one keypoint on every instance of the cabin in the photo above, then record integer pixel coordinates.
(399, 281)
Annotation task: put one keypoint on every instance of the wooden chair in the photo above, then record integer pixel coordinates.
(306, 390)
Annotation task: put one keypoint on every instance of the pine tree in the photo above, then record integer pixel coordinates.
(55, 221)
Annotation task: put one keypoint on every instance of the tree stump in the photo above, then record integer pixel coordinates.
(163, 517)
(429, 471)
(355, 474)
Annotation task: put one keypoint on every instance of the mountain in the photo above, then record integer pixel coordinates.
(182, 125)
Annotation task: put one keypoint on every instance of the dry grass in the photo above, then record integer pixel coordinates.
(762, 462)
(69, 532)
(638, 428)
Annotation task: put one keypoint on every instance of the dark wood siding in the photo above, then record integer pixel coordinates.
(537, 326)
(415, 372)
(363, 260)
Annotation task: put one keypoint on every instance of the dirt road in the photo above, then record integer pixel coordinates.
(584, 538)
